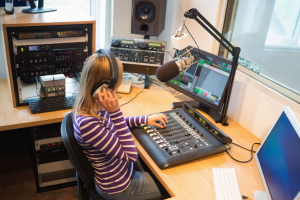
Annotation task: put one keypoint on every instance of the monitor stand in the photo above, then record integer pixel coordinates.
(39, 9)
(211, 112)
(260, 195)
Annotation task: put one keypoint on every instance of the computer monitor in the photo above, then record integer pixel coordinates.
(278, 158)
(206, 80)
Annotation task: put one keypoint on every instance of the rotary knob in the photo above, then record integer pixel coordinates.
(179, 150)
(170, 153)
(116, 43)
(167, 149)
(143, 45)
(196, 145)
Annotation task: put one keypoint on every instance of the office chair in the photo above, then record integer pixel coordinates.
(84, 170)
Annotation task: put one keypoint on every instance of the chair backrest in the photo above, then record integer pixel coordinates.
(76, 155)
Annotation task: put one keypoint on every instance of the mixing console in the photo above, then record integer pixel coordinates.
(187, 136)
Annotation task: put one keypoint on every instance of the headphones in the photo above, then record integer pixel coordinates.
(114, 74)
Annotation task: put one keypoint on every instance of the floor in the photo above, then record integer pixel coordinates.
(16, 173)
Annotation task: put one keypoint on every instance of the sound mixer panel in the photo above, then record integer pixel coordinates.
(184, 138)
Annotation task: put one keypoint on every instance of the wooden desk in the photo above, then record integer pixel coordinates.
(192, 180)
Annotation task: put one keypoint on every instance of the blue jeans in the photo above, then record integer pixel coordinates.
(141, 187)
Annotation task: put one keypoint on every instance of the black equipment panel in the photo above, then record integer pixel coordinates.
(188, 136)
(139, 51)
(36, 60)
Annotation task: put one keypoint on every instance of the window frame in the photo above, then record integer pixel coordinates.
(230, 14)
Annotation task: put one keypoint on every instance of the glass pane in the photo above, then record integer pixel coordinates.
(83, 4)
(268, 33)
(284, 22)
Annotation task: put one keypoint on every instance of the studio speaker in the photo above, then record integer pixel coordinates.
(148, 17)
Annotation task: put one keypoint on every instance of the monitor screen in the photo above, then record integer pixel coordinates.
(205, 80)
(279, 159)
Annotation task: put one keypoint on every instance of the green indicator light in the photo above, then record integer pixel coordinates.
(225, 64)
(216, 132)
(196, 90)
(22, 49)
(201, 92)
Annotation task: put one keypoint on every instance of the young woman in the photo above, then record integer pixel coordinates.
(103, 133)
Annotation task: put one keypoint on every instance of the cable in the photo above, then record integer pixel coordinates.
(193, 38)
(242, 147)
(132, 98)
(246, 149)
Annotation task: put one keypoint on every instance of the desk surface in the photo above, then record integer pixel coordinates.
(192, 180)
(63, 15)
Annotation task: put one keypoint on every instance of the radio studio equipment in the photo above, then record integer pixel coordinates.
(47, 50)
(192, 83)
(139, 55)
(188, 136)
(171, 69)
(39, 9)
(51, 165)
(148, 17)
(9, 7)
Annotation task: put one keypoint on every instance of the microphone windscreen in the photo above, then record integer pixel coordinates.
(167, 71)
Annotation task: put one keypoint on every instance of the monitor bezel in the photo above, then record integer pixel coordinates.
(198, 98)
(296, 125)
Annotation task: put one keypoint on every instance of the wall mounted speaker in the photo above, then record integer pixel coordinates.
(148, 17)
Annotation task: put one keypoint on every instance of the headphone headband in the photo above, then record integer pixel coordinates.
(114, 71)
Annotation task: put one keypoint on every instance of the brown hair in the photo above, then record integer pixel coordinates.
(96, 68)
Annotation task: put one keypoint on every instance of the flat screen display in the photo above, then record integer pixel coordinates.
(152, 44)
(33, 48)
(127, 41)
(279, 158)
(205, 80)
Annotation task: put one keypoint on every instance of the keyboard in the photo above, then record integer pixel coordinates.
(125, 87)
(54, 104)
(226, 184)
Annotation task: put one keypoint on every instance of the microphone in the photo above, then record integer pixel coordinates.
(171, 69)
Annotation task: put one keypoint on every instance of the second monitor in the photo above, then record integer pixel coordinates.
(206, 81)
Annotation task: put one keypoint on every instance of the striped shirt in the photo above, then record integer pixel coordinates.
(109, 146)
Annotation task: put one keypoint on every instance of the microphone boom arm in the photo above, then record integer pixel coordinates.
(235, 52)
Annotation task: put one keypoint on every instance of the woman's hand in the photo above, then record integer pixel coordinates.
(152, 119)
(109, 101)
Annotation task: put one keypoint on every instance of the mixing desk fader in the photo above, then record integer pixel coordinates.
(188, 136)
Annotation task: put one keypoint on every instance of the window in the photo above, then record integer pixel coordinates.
(97, 9)
(83, 4)
(284, 28)
(268, 32)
